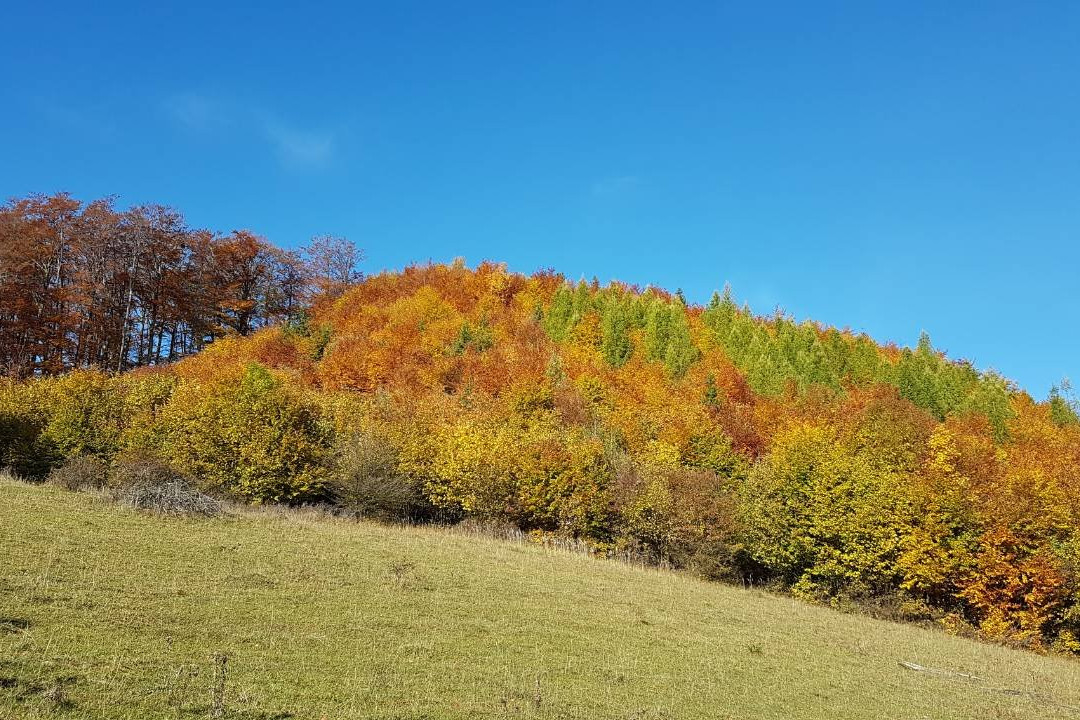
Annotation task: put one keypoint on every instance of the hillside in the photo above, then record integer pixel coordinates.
(741, 448)
(323, 618)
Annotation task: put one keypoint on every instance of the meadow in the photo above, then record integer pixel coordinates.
(107, 612)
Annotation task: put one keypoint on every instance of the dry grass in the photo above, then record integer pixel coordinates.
(111, 613)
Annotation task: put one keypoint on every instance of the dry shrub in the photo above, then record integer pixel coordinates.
(368, 483)
(82, 472)
(145, 482)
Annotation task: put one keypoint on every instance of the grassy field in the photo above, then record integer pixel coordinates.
(107, 613)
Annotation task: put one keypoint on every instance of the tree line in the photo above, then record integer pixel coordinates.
(90, 285)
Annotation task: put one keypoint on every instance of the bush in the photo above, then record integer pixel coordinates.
(677, 515)
(145, 482)
(83, 413)
(21, 448)
(139, 467)
(824, 520)
(366, 480)
(82, 472)
(252, 437)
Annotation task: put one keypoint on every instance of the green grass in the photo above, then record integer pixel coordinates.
(108, 613)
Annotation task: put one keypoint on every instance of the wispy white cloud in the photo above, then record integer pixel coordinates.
(294, 145)
(195, 111)
(299, 146)
(616, 186)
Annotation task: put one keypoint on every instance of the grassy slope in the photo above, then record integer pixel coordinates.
(342, 620)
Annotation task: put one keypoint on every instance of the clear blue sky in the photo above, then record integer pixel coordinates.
(892, 167)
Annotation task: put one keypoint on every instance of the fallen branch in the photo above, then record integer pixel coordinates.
(935, 671)
(975, 678)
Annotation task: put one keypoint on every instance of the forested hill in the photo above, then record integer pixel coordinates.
(741, 447)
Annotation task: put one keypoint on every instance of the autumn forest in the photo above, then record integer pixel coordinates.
(743, 448)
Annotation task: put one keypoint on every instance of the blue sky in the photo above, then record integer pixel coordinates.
(892, 167)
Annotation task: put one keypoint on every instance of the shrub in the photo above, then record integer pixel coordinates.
(140, 467)
(532, 473)
(471, 468)
(146, 482)
(82, 472)
(251, 436)
(644, 504)
(145, 394)
(824, 520)
(21, 449)
(366, 480)
(563, 481)
(677, 515)
(83, 413)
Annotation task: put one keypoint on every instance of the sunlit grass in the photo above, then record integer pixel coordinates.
(108, 613)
